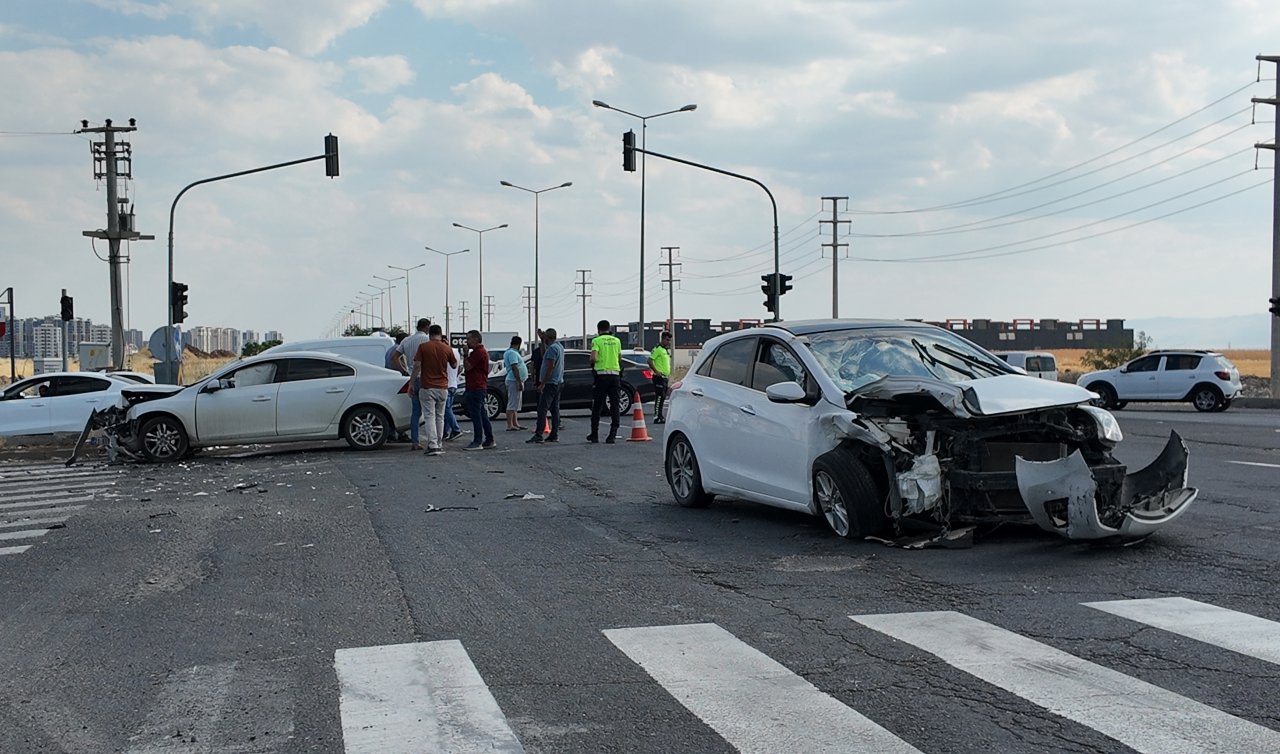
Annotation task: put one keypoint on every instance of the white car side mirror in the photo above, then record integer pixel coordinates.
(785, 392)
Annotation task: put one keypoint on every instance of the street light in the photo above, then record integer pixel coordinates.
(537, 298)
(480, 256)
(644, 123)
(448, 324)
(391, 315)
(408, 306)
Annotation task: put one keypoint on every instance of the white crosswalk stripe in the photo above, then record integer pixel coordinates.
(1228, 629)
(754, 703)
(35, 497)
(1144, 717)
(424, 698)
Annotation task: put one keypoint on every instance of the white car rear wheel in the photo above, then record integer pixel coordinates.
(366, 428)
(683, 474)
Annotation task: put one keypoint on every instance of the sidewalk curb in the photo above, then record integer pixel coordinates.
(1271, 403)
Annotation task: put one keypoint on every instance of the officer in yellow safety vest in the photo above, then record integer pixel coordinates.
(606, 364)
(660, 363)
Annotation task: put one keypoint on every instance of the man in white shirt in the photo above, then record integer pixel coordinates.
(452, 430)
(406, 351)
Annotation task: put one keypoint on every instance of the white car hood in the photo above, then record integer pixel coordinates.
(1014, 393)
(987, 396)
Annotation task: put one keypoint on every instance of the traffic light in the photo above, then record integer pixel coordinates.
(330, 157)
(629, 151)
(1275, 307)
(784, 284)
(178, 302)
(68, 308)
(769, 291)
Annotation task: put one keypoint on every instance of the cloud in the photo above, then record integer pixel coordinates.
(153, 11)
(382, 74)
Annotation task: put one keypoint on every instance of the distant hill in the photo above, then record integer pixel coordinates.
(1239, 331)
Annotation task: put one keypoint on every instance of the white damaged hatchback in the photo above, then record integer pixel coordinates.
(878, 424)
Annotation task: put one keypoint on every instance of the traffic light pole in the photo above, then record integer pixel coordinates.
(777, 314)
(331, 158)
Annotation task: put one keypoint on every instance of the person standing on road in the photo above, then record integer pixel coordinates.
(477, 381)
(606, 363)
(395, 357)
(549, 378)
(660, 363)
(517, 373)
(406, 351)
(451, 429)
(430, 369)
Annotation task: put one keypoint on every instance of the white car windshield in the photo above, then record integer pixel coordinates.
(854, 358)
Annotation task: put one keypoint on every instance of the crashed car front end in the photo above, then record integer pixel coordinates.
(1001, 449)
(118, 424)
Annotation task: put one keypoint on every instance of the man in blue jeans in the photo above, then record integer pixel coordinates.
(477, 382)
(404, 353)
(451, 429)
(550, 378)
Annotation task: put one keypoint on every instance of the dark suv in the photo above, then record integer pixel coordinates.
(578, 380)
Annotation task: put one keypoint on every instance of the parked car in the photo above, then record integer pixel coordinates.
(578, 382)
(1207, 380)
(868, 423)
(268, 398)
(1039, 364)
(57, 401)
(371, 349)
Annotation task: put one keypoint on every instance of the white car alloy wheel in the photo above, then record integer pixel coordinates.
(163, 439)
(366, 428)
(683, 474)
(831, 502)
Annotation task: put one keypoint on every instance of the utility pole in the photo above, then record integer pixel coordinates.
(582, 283)
(835, 247)
(112, 161)
(671, 281)
(13, 321)
(488, 311)
(528, 312)
(462, 308)
(1275, 223)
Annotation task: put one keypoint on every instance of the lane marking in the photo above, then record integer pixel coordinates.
(33, 522)
(424, 697)
(1144, 717)
(14, 550)
(46, 501)
(25, 534)
(1228, 629)
(1257, 463)
(757, 705)
(24, 514)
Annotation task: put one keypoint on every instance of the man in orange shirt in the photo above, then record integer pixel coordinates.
(431, 365)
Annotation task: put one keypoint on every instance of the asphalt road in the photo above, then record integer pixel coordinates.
(260, 601)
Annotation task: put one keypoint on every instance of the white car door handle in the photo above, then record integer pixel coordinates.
(90, 400)
(336, 390)
(262, 399)
(696, 392)
(747, 410)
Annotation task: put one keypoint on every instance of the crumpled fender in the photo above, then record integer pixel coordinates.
(1149, 498)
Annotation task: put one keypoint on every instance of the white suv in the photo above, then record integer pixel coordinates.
(1208, 380)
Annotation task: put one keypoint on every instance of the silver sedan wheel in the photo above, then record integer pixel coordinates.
(366, 428)
(831, 502)
(163, 440)
(682, 469)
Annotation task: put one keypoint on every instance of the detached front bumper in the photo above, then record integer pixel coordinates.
(1064, 497)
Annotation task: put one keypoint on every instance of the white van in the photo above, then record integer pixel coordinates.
(371, 349)
(1033, 363)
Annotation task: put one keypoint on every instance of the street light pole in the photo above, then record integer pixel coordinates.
(480, 255)
(448, 324)
(391, 316)
(537, 298)
(408, 305)
(644, 130)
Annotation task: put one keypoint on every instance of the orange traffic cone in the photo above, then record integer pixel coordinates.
(639, 433)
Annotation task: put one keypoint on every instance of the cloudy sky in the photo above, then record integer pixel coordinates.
(1001, 159)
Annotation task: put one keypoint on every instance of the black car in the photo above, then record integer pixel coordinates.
(578, 380)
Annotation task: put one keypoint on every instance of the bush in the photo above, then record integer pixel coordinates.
(1110, 358)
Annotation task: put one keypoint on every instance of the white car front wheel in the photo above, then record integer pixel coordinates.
(845, 494)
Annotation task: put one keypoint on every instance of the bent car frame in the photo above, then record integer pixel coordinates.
(872, 424)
